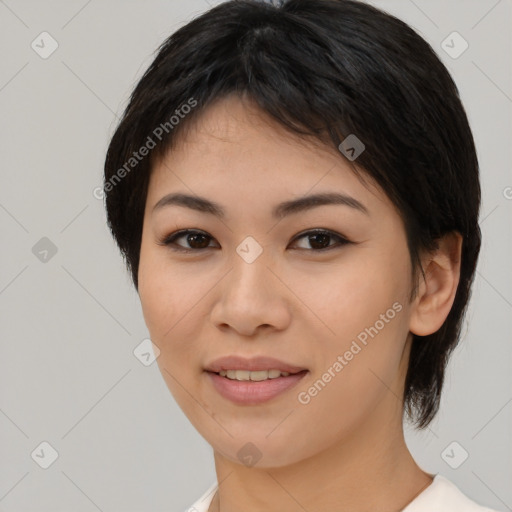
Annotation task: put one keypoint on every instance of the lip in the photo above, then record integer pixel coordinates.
(253, 364)
(253, 392)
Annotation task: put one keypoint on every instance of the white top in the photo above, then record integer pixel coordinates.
(441, 495)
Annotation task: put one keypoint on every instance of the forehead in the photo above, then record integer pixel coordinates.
(235, 126)
(234, 146)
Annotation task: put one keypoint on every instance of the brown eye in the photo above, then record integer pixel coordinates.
(196, 240)
(319, 240)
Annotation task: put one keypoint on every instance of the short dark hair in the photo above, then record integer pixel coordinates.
(326, 69)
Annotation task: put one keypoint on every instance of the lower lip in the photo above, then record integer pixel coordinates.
(249, 392)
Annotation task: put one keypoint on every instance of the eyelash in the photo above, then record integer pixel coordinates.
(170, 240)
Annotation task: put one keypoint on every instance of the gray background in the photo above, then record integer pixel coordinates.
(71, 320)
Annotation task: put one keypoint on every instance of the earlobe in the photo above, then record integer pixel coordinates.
(436, 290)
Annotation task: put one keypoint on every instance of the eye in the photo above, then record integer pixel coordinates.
(199, 240)
(319, 239)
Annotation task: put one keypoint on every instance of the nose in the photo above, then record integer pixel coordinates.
(251, 298)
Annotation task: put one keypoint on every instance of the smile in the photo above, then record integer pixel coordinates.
(243, 387)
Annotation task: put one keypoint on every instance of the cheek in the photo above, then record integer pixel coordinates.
(156, 304)
(353, 295)
(364, 312)
(164, 300)
(162, 296)
(170, 298)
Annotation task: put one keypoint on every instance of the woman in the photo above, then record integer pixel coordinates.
(295, 191)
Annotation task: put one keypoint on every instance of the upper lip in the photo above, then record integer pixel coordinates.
(253, 364)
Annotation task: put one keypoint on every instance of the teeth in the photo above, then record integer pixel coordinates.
(256, 376)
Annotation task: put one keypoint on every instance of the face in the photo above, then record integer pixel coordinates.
(322, 287)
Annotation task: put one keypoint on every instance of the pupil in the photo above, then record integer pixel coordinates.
(323, 237)
(193, 238)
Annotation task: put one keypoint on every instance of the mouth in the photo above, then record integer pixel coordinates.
(254, 365)
(255, 376)
(242, 387)
(253, 381)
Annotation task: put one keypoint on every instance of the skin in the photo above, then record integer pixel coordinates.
(345, 449)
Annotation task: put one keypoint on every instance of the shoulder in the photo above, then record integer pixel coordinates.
(203, 502)
(444, 496)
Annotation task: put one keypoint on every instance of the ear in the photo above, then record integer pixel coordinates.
(436, 291)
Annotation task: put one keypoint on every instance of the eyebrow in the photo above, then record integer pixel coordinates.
(201, 204)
